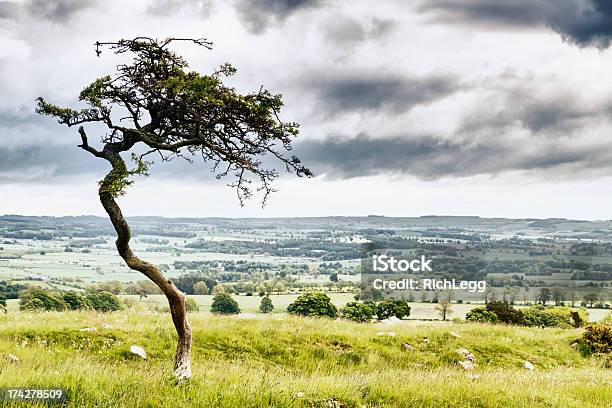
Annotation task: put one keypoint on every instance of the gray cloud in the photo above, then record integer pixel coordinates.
(430, 157)
(170, 7)
(349, 32)
(378, 92)
(258, 15)
(581, 22)
(57, 11)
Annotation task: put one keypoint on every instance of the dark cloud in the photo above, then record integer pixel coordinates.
(431, 157)
(57, 11)
(378, 92)
(581, 22)
(258, 15)
(348, 32)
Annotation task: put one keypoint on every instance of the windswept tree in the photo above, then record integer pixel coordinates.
(153, 105)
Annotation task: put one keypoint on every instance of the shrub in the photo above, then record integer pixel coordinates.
(554, 316)
(358, 312)
(482, 315)
(506, 314)
(392, 307)
(313, 304)
(40, 299)
(103, 301)
(75, 301)
(266, 305)
(597, 338)
(224, 304)
(2, 301)
(191, 305)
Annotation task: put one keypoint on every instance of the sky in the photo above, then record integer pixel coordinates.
(445, 107)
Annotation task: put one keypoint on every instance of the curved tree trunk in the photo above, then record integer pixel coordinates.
(176, 298)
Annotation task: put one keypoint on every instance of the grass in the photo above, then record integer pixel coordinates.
(284, 361)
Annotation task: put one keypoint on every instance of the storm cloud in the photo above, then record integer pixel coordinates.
(378, 92)
(57, 11)
(258, 15)
(430, 157)
(581, 22)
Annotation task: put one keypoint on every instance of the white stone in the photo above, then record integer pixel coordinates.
(466, 354)
(467, 365)
(89, 329)
(139, 351)
(527, 365)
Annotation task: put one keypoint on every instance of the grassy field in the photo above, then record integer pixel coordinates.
(283, 361)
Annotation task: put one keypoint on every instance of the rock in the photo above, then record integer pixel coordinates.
(407, 346)
(13, 359)
(528, 366)
(390, 334)
(453, 334)
(426, 340)
(466, 354)
(472, 376)
(299, 394)
(391, 320)
(467, 365)
(107, 326)
(89, 329)
(139, 351)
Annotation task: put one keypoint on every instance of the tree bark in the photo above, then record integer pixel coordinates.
(176, 298)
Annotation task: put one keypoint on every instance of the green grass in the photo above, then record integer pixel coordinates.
(283, 361)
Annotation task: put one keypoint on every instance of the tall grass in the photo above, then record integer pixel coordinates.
(284, 362)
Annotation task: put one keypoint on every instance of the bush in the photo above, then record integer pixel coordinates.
(224, 304)
(506, 314)
(191, 305)
(40, 299)
(75, 301)
(313, 304)
(266, 305)
(554, 316)
(2, 301)
(597, 338)
(392, 307)
(481, 315)
(103, 301)
(357, 312)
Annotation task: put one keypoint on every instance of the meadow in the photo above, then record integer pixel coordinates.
(283, 361)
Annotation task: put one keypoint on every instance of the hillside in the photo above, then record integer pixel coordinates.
(284, 362)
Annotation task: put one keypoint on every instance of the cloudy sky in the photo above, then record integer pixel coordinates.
(407, 108)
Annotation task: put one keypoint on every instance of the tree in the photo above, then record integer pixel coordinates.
(313, 304)
(558, 296)
(191, 305)
(505, 313)
(153, 104)
(266, 305)
(357, 312)
(392, 307)
(591, 298)
(75, 301)
(481, 315)
(544, 295)
(219, 288)
(200, 288)
(103, 301)
(444, 308)
(223, 303)
(40, 299)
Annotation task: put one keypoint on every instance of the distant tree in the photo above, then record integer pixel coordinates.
(591, 298)
(505, 313)
(3, 306)
(191, 305)
(159, 107)
(444, 308)
(313, 304)
(513, 294)
(103, 301)
(357, 312)
(40, 299)
(333, 277)
(558, 295)
(266, 305)
(200, 288)
(544, 295)
(392, 307)
(223, 303)
(75, 301)
(481, 315)
(219, 288)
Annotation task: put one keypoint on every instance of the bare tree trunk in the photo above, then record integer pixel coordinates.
(176, 298)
